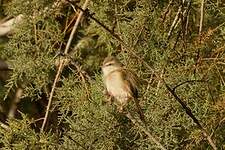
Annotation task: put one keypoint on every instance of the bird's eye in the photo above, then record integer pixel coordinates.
(109, 64)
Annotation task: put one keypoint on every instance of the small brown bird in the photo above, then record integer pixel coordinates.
(120, 83)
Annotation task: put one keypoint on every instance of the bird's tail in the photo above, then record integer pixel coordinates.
(139, 110)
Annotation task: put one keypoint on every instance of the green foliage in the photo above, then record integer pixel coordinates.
(21, 136)
(80, 118)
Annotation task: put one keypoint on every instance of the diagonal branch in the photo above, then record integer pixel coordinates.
(4, 126)
(191, 115)
(135, 122)
(175, 21)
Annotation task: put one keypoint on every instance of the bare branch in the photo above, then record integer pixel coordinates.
(202, 17)
(4, 126)
(159, 82)
(175, 21)
(191, 115)
(135, 122)
(166, 11)
(188, 81)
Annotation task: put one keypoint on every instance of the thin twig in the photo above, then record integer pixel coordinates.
(202, 17)
(116, 19)
(77, 143)
(190, 114)
(176, 19)
(139, 35)
(187, 23)
(135, 122)
(4, 126)
(176, 42)
(61, 65)
(159, 83)
(98, 22)
(179, 17)
(75, 26)
(166, 11)
(188, 81)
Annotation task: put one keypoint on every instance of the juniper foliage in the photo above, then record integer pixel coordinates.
(79, 118)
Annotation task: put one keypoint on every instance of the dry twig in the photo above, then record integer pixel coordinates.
(202, 17)
(166, 11)
(175, 21)
(4, 126)
(134, 121)
(159, 83)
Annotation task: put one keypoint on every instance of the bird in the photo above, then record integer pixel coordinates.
(120, 83)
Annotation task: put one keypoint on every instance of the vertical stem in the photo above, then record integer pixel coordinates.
(202, 17)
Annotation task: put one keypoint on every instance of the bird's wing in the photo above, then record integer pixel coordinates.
(132, 82)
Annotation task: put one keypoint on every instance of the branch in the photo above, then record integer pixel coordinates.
(159, 83)
(175, 21)
(179, 17)
(77, 142)
(61, 65)
(166, 11)
(191, 115)
(4, 126)
(188, 81)
(87, 13)
(202, 17)
(135, 122)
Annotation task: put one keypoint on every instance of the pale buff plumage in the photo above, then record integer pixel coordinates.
(120, 83)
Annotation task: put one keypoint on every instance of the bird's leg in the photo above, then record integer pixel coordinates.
(122, 104)
(109, 98)
(105, 92)
(120, 108)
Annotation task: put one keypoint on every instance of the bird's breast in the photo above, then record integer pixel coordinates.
(116, 86)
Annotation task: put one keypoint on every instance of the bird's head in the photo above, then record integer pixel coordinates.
(110, 64)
